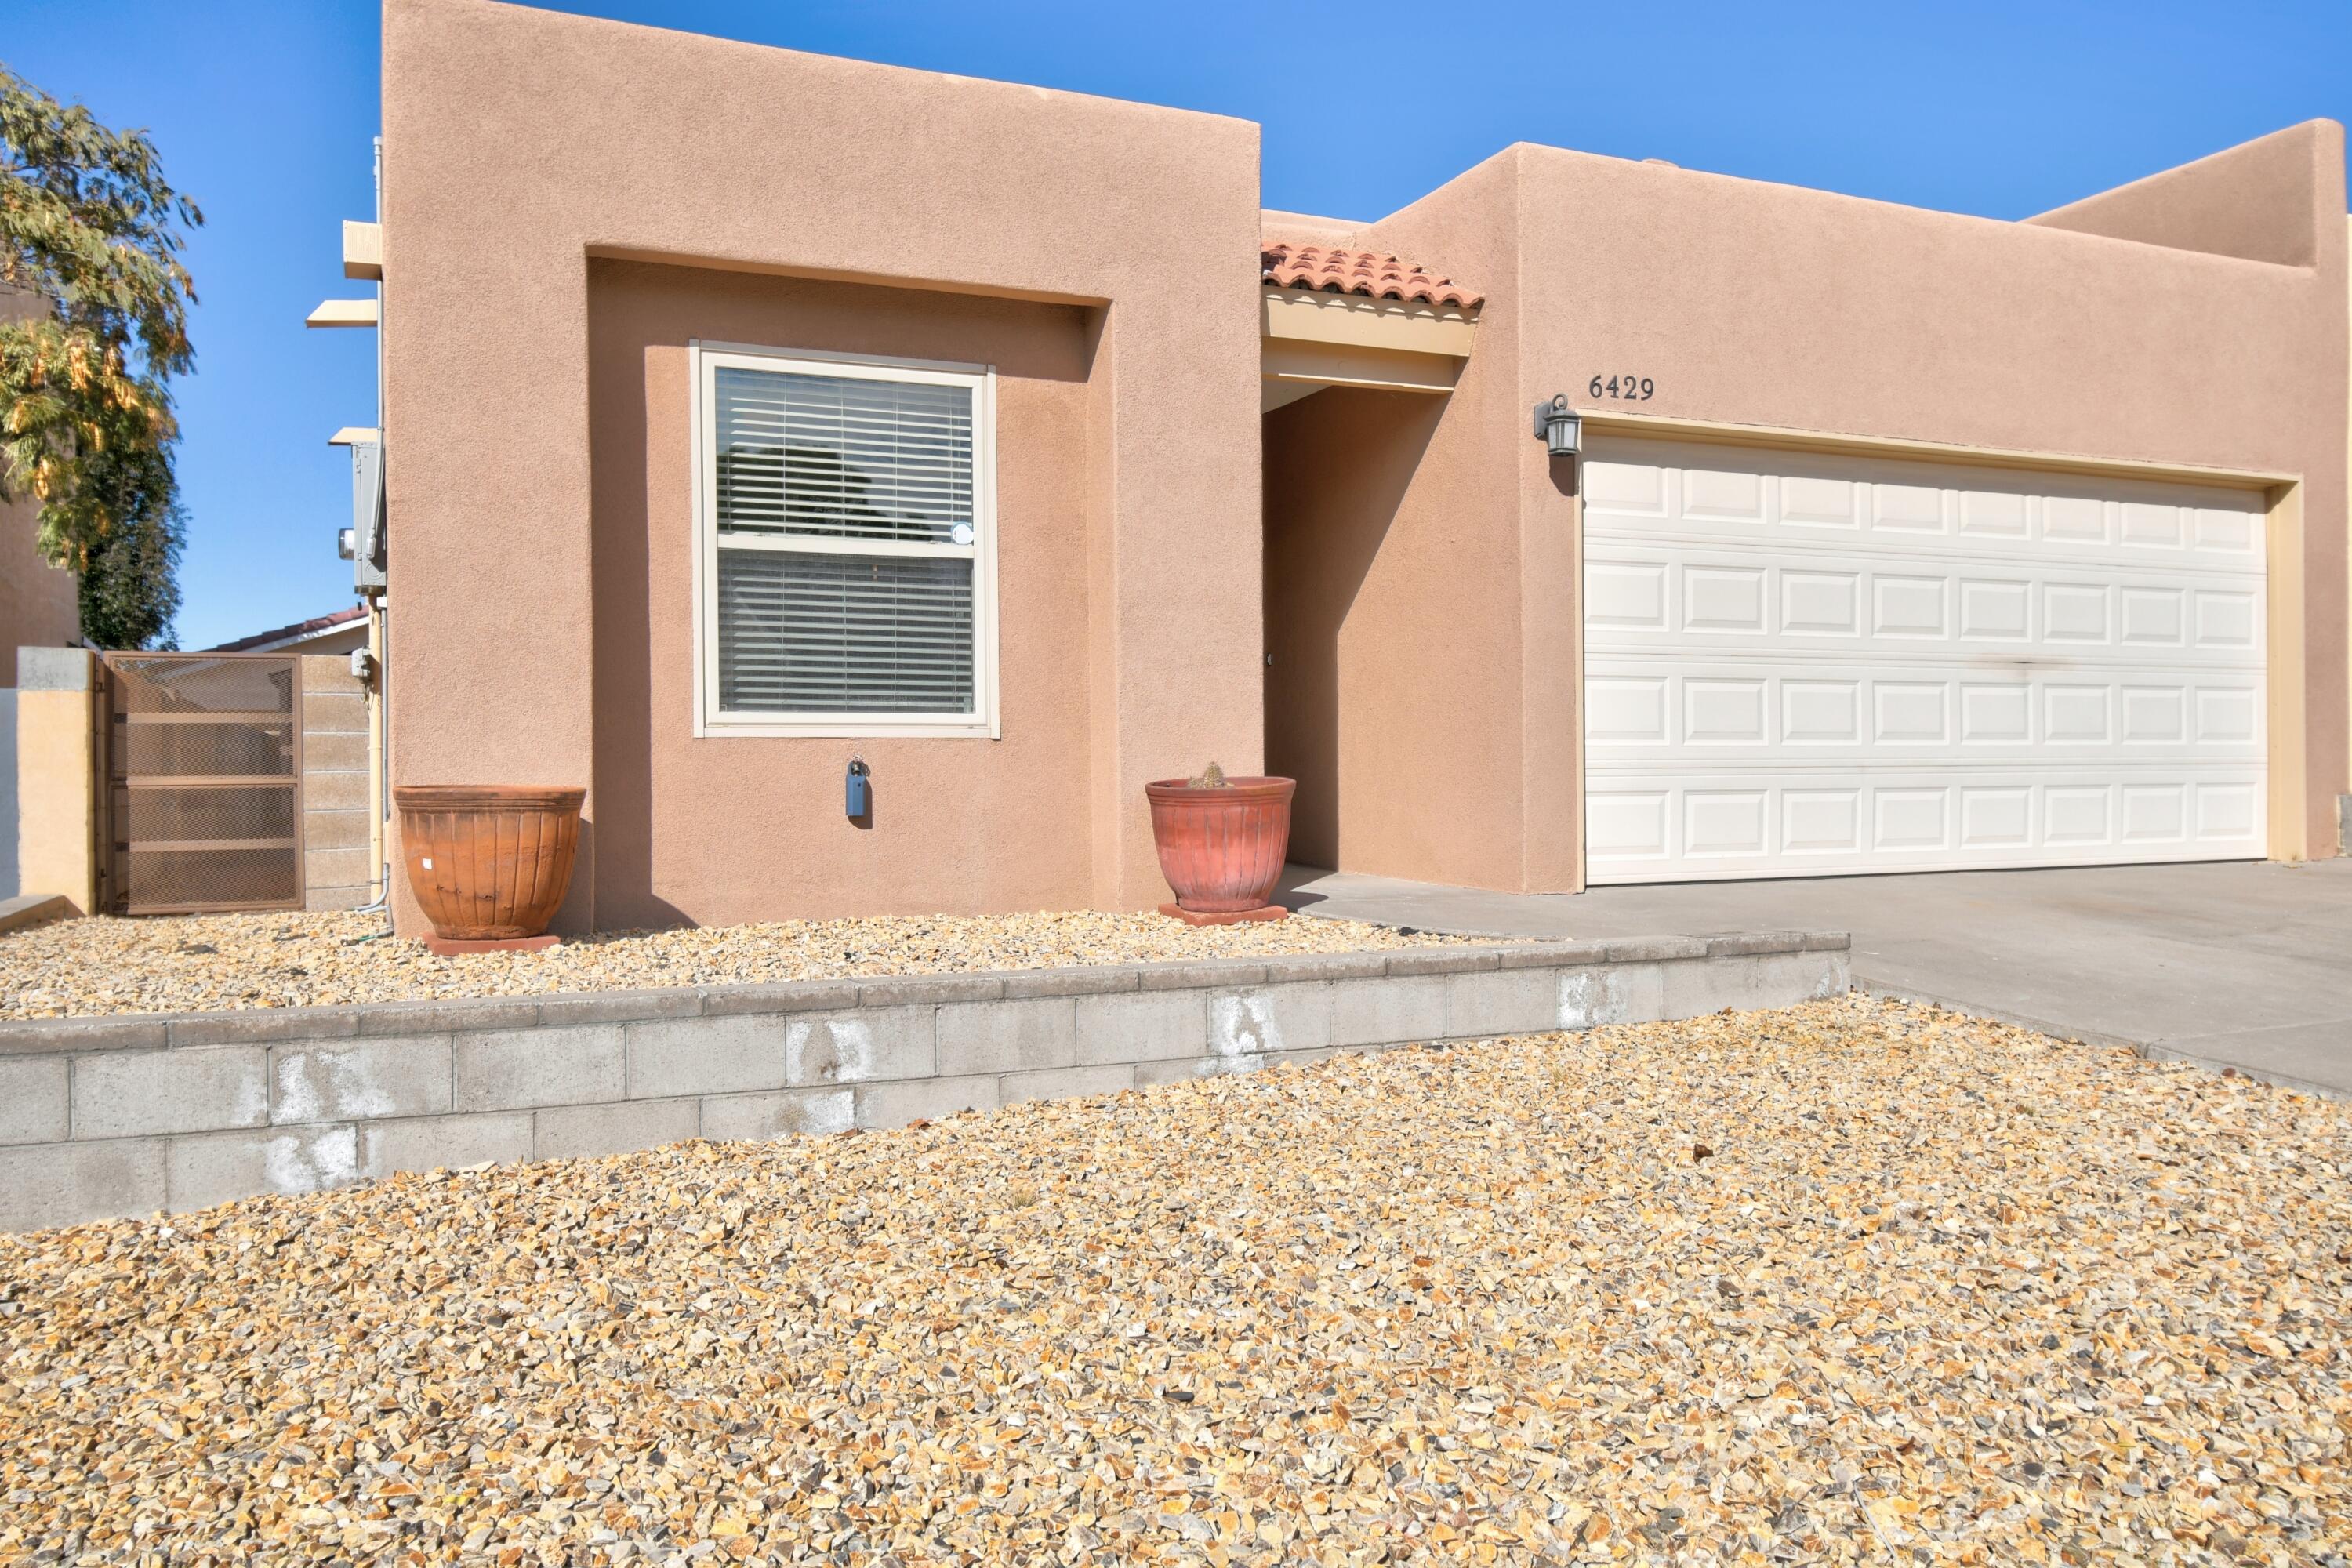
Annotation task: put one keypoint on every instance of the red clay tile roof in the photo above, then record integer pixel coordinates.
(285, 633)
(1329, 268)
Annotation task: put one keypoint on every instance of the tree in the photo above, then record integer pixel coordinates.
(87, 224)
(130, 583)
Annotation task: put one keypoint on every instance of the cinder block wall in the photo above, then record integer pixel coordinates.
(126, 1115)
(336, 869)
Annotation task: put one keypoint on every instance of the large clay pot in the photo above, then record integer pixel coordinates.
(488, 862)
(1222, 849)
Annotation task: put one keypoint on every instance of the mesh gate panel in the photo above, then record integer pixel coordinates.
(204, 759)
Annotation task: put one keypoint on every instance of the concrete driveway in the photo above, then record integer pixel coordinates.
(2240, 964)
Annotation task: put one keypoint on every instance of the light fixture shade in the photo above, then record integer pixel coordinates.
(1564, 436)
(1562, 431)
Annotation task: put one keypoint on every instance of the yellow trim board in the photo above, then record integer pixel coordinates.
(1342, 365)
(1608, 421)
(342, 313)
(363, 249)
(2283, 679)
(1351, 320)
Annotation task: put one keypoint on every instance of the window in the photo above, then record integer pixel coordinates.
(846, 575)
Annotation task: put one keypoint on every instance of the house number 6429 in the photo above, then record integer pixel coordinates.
(1624, 388)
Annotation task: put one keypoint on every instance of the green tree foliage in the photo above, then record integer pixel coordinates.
(87, 224)
(131, 581)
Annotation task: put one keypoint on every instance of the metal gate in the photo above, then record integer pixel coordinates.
(204, 768)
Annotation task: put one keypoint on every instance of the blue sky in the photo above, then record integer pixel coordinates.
(264, 110)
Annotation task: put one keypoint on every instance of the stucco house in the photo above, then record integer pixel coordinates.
(749, 411)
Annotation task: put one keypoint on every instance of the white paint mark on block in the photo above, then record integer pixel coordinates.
(828, 1051)
(1241, 1030)
(1592, 996)
(310, 1163)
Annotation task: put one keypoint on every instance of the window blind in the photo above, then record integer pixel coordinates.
(843, 634)
(843, 457)
(847, 514)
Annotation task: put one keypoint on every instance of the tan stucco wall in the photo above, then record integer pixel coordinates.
(517, 142)
(1425, 619)
(1770, 305)
(57, 780)
(2260, 200)
(38, 606)
(957, 823)
(1413, 655)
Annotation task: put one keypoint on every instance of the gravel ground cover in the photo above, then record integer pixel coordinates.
(80, 968)
(1852, 1281)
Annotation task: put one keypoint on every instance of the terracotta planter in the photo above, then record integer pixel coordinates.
(1222, 849)
(488, 863)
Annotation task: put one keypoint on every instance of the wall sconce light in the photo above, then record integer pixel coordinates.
(1561, 431)
(857, 791)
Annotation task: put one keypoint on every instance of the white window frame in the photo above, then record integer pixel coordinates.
(704, 359)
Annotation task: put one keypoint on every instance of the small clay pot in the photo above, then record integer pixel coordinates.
(488, 862)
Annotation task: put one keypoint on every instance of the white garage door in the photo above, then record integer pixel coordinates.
(1800, 665)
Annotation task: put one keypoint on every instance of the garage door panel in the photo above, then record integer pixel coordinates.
(1660, 593)
(1800, 665)
(1697, 824)
(1720, 496)
(1642, 710)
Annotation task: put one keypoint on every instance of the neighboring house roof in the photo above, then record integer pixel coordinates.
(1335, 269)
(285, 636)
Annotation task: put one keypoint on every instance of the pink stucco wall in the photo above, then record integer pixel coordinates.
(519, 146)
(2263, 200)
(946, 833)
(557, 229)
(1771, 305)
(1415, 658)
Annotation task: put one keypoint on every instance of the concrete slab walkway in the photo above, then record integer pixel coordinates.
(2238, 964)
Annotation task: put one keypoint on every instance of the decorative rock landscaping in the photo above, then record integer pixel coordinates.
(122, 1115)
(1852, 1282)
(86, 968)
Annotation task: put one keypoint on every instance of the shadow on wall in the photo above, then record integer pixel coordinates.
(1338, 465)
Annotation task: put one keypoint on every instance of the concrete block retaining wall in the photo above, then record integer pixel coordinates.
(104, 1117)
(338, 869)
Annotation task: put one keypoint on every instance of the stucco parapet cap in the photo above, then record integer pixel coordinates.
(778, 996)
(1656, 949)
(619, 1006)
(1076, 980)
(1186, 973)
(929, 990)
(430, 1017)
(41, 1037)
(1738, 944)
(53, 668)
(1444, 960)
(1329, 966)
(1553, 955)
(1827, 942)
(262, 1025)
